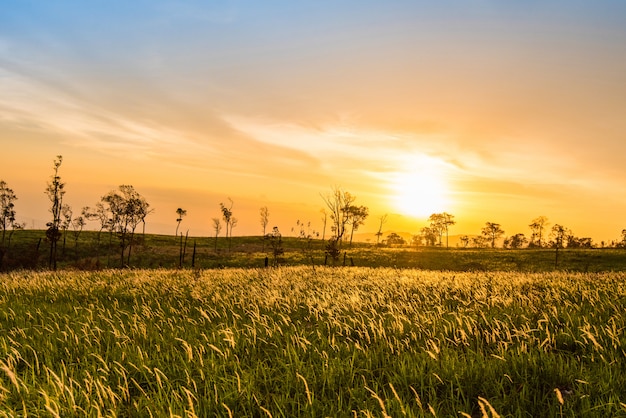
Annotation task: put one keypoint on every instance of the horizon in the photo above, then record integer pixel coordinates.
(490, 111)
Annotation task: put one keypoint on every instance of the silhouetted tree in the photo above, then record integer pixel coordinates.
(429, 235)
(227, 215)
(465, 240)
(479, 242)
(338, 201)
(558, 237)
(382, 220)
(233, 223)
(578, 242)
(7, 209)
(416, 240)
(265, 219)
(440, 223)
(78, 224)
(55, 191)
(217, 227)
(276, 242)
(356, 218)
(127, 208)
(515, 241)
(7, 215)
(181, 214)
(324, 221)
(395, 239)
(492, 232)
(67, 213)
(537, 227)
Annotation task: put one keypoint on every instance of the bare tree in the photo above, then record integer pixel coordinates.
(324, 221)
(265, 218)
(233, 223)
(181, 214)
(382, 220)
(492, 232)
(217, 227)
(55, 191)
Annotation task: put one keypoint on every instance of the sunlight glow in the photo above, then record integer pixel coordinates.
(422, 189)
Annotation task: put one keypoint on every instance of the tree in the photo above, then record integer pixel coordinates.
(217, 227)
(440, 223)
(465, 240)
(492, 232)
(515, 241)
(338, 201)
(227, 215)
(265, 219)
(67, 213)
(127, 208)
(395, 239)
(233, 223)
(55, 191)
(558, 237)
(382, 220)
(623, 243)
(276, 242)
(181, 214)
(479, 242)
(7, 214)
(78, 224)
(578, 242)
(429, 235)
(416, 240)
(356, 218)
(537, 227)
(324, 221)
(7, 209)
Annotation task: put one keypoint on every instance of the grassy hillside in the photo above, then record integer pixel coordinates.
(29, 249)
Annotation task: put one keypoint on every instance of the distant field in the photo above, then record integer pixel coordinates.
(301, 342)
(28, 249)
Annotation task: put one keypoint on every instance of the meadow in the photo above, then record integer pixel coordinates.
(28, 249)
(304, 341)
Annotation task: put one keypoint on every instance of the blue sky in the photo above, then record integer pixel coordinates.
(519, 105)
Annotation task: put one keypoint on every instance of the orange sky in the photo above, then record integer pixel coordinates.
(491, 111)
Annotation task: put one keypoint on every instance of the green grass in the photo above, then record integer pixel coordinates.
(29, 250)
(301, 342)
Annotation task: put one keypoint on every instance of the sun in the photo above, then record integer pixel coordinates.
(421, 191)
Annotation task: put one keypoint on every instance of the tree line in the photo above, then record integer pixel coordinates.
(120, 212)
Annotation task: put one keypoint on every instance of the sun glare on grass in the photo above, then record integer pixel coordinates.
(421, 190)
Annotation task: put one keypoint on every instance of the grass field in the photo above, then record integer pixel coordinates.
(29, 250)
(301, 342)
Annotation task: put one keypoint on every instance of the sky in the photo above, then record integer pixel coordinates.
(493, 111)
